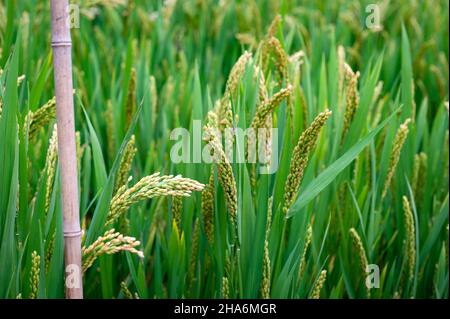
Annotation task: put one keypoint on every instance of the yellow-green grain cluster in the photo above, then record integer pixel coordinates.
(265, 43)
(266, 275)
(34, 274)
(315, 294)
(208, 208)
(125, 164)
(263, 117)
(419, 175)
(130, 108)
(109, 118)
(177, 206)
(300, 158)
(225, 172)
(41, 117)
(149, 187)
(410, 238)
(258, 75)
(352, 98)
(225, 112)
(280, 58)
(50, 167)
(194, 248)
(359, 247)
(399, 140)
(126, 292)
(109, 243)
(267, 270)
(308, 238)
(153, 99)
(267, 108)
(225, 288)
(49, 250)
(79, 149)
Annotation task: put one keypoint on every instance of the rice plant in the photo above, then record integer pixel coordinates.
(354, 203)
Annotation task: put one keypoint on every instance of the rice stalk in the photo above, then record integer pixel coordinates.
(352, 98)
(300, 156)
(265, 47)
(41, 117)
(50, 167)
(359, 247)
(109, 243)
(49, 251)
(109, 118)
(208, 208)
(302, 264)
(377, 92)
(125, 164)
(149, 187)
(126, 292)
(267, 108)
(225, 288)
(177, 206)
(225, 172)
(34, 274)
(315, 294)
(130, 108)
(419, 175)
(154, 100)
(266, 272)
(399, 140)
(341, 71)
(225, 111)
(263, 115)
(79, 149)
(265, 283)
(263, 95)
(194, 250)
(280, 59)
(410, 238)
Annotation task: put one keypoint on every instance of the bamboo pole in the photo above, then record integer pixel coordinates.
(62, 63)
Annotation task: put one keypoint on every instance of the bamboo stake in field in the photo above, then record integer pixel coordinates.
(62, 62)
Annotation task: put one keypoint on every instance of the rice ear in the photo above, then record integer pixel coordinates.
(399, 140)
(300, 158)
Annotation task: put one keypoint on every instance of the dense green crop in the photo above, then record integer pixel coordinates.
(361, 149)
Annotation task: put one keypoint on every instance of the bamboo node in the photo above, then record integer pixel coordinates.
(74, 233)
(67, 43)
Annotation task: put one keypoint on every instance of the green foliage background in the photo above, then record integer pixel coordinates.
(189, 48)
